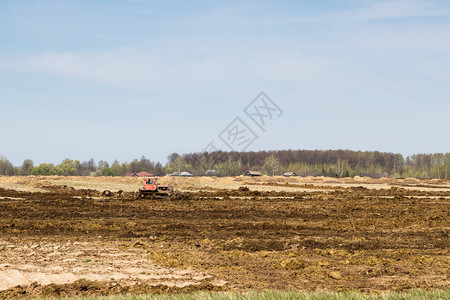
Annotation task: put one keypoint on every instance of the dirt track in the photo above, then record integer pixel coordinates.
(325, 238)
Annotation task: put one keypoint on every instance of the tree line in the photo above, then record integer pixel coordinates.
(335, 163)
(70, 167)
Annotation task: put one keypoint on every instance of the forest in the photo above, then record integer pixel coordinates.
(335, 163)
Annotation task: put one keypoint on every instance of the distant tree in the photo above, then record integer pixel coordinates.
(271, 165)
(6, 167)
(89, 165)
(103, 164)
(133, 166)
(79, 170)
(125, 168)
(178, 163)
(103, 169)
(227, 168)
(438, 165)
(341, 163)
(117, 169)
(44, 169)
(145, 164)
(67, 167)
(158, 170)
(171, 157)
(26, 168)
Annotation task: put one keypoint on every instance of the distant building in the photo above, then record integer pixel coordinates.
(185, 174)
(252, 173)
(210, 172)
(289, 174)
(144, 174)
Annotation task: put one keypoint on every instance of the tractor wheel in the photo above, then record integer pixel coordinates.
(142, 195)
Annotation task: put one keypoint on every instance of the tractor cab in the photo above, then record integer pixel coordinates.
(150, 184)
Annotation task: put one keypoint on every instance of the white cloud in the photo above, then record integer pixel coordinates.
(398, 9)
(377, 10)
(115, 68)
(144, 68)
(337, 60)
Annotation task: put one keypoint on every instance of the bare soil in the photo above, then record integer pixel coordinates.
(64, 237)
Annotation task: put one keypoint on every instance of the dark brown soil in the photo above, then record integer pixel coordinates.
(84, 287)
(345, 239)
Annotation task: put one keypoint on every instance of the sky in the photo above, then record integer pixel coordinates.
(121, 79)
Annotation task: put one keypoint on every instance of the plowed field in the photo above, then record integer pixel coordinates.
(65, 241)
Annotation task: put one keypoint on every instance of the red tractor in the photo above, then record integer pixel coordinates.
(152, 189)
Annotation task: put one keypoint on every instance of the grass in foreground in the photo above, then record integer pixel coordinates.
(287, 295)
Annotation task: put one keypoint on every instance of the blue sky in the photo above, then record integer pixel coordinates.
(120, 79)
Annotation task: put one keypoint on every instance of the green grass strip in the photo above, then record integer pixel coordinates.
(285, 295)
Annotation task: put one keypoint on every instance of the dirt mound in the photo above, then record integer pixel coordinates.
(243, 189)
(84, 287)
